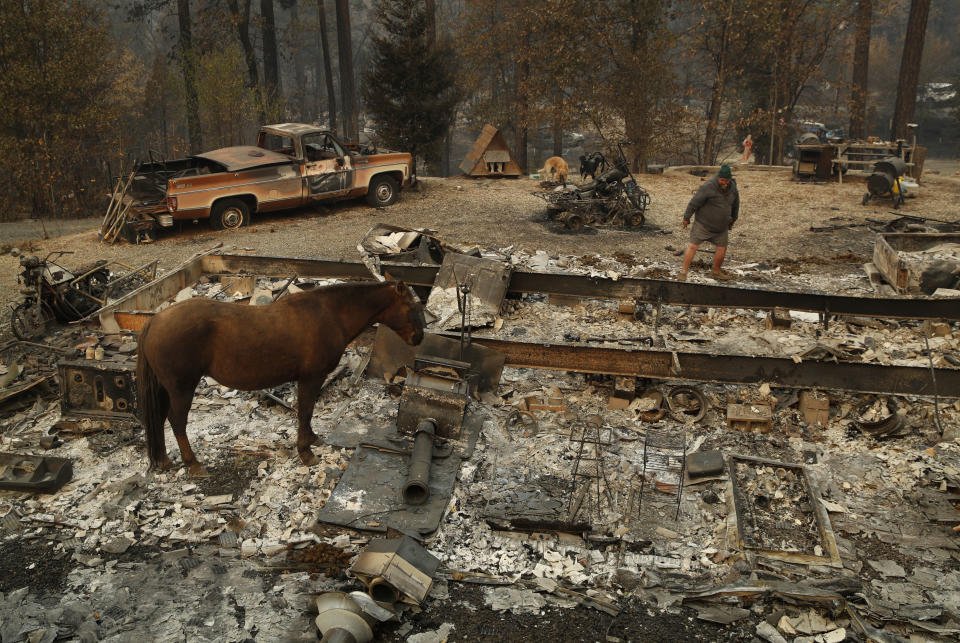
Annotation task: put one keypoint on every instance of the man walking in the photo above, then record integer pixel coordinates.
(716, 206)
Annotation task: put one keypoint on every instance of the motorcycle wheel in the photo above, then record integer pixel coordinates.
(637, 219)
(28, 320)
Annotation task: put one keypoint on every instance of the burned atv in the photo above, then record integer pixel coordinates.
(613, 198)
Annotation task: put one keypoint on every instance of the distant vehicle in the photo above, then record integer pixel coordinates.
(291, 165)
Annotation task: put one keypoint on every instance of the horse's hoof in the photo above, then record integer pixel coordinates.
(197, 470)
(309, 459)
(164, 465)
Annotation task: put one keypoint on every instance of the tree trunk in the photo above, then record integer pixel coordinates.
(713, 120)
(557, 136)
(431, 12)
(327, 71)
(271, 66)
(523, 71)
(716, 95)
(910, 68)
(861, 65)
(188, 63)
(299, 69)
(348, 94)
(242, 16)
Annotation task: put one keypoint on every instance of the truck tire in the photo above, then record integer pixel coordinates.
(229, 214)
(383, 191)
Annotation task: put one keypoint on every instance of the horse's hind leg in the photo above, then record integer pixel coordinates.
(307, 393)
(179, 408)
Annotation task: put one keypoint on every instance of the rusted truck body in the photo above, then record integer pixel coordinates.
(291, 165)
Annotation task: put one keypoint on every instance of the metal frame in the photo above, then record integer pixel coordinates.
(743, 511)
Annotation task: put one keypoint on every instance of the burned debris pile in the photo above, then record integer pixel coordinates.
(549, 449)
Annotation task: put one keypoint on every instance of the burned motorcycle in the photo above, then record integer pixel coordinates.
(51, 291)
(613, 198)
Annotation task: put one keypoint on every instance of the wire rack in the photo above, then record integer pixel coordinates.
(663, 468)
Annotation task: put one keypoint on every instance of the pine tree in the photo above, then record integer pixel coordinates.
(409, 89)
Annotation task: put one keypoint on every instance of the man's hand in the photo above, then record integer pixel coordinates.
(685, 223)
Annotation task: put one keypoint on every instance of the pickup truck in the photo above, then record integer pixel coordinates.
(291, 165)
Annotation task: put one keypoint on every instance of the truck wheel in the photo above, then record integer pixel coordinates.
(383, 191)
(229, 214)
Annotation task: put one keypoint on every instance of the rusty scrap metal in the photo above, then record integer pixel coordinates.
(741, 369)
(100, 390)
(884, 426)
(686, 403)
(745, 521)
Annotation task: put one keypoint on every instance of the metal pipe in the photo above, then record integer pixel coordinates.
(417, 489)
(382, 592)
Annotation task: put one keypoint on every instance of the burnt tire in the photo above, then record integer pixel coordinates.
(229, 214)
(574, 222)
(383, 191)
(636, 219)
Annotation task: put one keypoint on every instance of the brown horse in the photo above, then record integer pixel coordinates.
(301, 337)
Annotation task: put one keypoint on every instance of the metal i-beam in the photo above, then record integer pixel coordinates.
(680, 293)
(728, 369)
(674, 293)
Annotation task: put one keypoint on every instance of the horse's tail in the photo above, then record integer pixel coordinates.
(154, 404)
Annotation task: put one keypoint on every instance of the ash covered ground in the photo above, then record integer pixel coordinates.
(122, 553)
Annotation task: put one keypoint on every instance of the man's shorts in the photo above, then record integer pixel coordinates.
(699, 234)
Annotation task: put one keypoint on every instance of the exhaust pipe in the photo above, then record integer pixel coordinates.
(417, 489)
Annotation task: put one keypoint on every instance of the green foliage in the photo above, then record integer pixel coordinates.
(65, 89)
(409, 85)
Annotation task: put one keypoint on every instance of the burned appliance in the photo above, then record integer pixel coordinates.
(97, 390)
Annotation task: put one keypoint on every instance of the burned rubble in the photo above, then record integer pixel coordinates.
(761, 510)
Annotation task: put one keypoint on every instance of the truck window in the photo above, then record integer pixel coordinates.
(320, 147)
(276, 143)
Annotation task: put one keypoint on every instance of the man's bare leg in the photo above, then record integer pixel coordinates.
(718, 258)
(688, 259)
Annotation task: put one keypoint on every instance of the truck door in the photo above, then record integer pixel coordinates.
(328, 170)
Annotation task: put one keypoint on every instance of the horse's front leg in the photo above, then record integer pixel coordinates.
(307, 393)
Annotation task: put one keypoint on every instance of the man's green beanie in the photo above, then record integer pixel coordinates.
(725, 172)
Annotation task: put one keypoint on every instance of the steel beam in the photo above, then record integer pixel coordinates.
(679, 293)
(675, 293)
(728, 369)
(660, 291)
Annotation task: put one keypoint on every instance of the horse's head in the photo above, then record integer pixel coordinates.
(405, 314)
